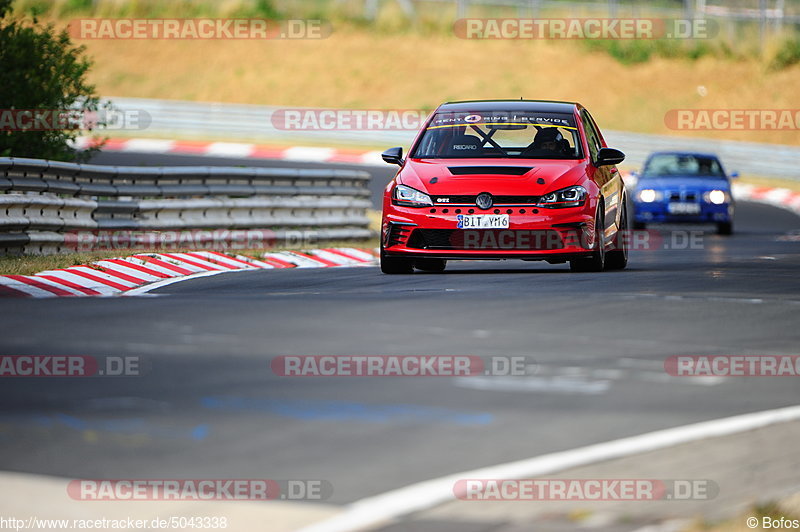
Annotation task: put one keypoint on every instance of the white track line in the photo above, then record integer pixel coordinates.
(152, 286)
(381, 509)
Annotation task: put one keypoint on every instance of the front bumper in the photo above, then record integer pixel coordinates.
(533, 233)
(658, 212)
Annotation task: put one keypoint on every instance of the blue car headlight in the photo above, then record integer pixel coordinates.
(648, 195)
(717, 197)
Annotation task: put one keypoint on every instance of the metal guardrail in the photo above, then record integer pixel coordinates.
(771, 160)
(47, 206)
(254, 122)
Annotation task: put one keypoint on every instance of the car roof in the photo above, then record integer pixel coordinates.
(677, 152)
(542, 106)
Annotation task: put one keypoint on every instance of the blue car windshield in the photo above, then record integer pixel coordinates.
(682, 165)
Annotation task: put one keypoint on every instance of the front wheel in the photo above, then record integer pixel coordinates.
(596, 262)
(617, 259)
(431, 265)
(395, 265)
(725, 228)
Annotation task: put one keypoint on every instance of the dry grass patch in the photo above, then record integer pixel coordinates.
(361, 69)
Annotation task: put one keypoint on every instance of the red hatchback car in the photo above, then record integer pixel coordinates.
(505, 179)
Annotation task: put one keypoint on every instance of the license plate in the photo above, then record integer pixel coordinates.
(683, 208)
(483, 221)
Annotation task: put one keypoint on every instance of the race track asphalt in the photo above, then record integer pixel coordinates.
(208, 404)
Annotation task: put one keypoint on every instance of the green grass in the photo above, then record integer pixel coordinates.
(634, 51)
(787, 54)
(30, 264)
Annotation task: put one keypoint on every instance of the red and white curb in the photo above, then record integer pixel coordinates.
(143, 272)
(238, 150)
(778, 197)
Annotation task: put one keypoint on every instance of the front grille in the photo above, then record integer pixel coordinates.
(682, 196)
(485, 239)
(497, 200)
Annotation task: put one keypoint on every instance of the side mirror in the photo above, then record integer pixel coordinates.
(393, 156)
(609, 156)
(734, 175)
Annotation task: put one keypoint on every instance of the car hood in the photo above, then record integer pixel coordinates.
(496, 176)
(683, 183)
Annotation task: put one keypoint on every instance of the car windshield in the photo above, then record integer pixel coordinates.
(500, 134)
(682, 165)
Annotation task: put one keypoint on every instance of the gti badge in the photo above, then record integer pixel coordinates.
(484, 200)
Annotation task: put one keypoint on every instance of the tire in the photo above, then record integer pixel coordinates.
(617, 259)
(431, 265)
(595, 263)
(639, 226)
(395, 265)
(725, 228)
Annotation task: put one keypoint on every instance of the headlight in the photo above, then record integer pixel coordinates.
(566, 197)
(717, 197)
(409, 197)
(648, 195)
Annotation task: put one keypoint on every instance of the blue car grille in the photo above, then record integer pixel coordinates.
(681, 196)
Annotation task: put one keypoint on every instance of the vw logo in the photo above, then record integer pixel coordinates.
(484, 200)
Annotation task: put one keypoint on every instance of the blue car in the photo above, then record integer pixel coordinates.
(678, 187)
